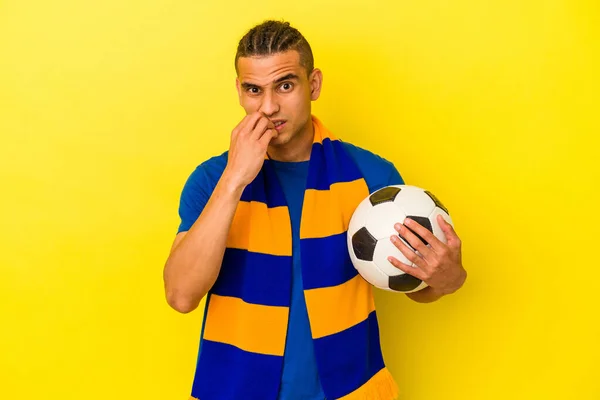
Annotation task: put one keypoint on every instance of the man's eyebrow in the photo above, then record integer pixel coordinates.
(287, 77)
(248, 85)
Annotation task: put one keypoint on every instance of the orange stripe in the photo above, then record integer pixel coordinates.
(250, 327)
(321, 132)
(381, 386)
(337, 308)
(260, 229)
(328, 212)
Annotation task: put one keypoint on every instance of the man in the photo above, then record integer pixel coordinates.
(287, 317)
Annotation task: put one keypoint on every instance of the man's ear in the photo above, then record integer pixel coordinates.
(316, 82)
(239, 90)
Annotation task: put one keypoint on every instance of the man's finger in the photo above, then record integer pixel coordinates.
(250, 125)
(415, 228)
(451, 236)
(266, 138)
(409, 253)
(409, 233)
(408, 269)
(261, 126)
(242, 124)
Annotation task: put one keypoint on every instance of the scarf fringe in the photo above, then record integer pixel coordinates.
(380, 387)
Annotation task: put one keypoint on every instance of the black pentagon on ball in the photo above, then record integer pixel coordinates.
(363, 244)
(403, 282)
(423, 221)
(384, 195)
(437, 201)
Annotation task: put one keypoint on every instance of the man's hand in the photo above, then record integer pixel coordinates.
(249, 143)
(439, 265)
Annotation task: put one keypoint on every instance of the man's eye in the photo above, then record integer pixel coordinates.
(253, 90)
(287, 86)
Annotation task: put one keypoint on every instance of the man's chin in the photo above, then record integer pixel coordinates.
(278, 141)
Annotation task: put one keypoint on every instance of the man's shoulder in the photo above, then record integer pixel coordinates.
(377, 171)
(216, 163)
(209, 171)
(366, 158)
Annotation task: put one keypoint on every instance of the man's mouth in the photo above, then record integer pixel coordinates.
(279, 124)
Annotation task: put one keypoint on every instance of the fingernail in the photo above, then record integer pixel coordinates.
(394, 238)
(407, 221)
(398, 226)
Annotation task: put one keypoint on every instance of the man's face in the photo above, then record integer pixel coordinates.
(278, 86)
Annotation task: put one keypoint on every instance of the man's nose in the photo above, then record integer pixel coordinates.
(269, 105)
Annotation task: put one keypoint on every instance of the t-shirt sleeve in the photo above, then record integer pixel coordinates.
(194, 196)
(394, 178)
(377, 171)
(198, 188)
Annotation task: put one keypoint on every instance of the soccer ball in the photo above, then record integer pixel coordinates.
(372, 225)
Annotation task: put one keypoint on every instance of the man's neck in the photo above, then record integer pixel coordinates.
(296, 150)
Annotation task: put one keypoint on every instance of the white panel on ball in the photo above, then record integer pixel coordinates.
(413, 201)
(383, 250)
(371, 273)
(380, 220)
(358, 218)
(437, 231)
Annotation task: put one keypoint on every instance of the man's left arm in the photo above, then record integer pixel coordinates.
(439, 265)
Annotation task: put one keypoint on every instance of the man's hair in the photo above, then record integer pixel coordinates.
(273, 37)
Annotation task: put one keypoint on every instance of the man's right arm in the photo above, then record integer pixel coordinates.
(195, 259)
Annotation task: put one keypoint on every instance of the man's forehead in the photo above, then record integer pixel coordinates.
(269, 66)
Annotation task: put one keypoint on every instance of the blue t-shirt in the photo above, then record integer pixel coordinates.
(299, 380)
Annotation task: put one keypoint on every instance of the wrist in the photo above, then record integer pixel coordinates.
(427, 295)
(231, 184)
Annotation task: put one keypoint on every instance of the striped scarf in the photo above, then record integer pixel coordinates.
(246, 315)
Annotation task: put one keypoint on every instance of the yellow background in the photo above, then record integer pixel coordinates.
(106, 107)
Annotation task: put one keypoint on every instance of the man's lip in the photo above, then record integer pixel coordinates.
(279, 126)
